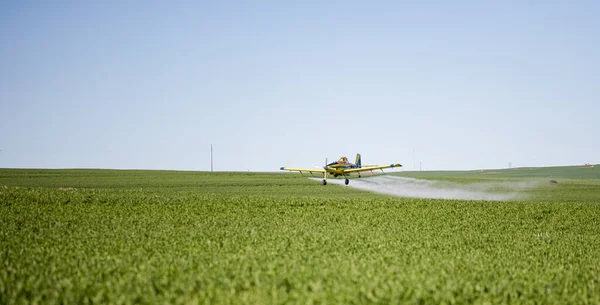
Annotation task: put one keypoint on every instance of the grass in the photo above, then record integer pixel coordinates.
(103, 236)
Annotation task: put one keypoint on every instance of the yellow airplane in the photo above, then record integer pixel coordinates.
(341, 168)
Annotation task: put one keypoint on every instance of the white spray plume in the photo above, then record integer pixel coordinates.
(418, 188)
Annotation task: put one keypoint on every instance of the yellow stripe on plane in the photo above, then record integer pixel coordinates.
(370, 168)
(311, 170)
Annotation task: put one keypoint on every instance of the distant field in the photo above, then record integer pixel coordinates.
(231, 183)
(557, 172)
(107, 236)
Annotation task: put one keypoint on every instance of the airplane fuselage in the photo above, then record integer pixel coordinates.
(337, 168)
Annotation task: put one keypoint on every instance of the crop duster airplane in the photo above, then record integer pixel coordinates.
(341, 168)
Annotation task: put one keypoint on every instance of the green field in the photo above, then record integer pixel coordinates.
(108, 236)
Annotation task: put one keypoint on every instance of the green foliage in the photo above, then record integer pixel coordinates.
(101, 236)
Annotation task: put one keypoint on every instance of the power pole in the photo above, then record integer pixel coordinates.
(211, 159)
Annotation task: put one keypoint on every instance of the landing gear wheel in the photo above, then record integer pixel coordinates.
(347, 181)
(324, 182)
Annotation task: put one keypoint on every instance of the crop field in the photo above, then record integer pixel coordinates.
(169, 237)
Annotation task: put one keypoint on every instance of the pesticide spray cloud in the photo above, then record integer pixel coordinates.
(417, 188)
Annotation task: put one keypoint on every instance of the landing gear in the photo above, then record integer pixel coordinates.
(324, 181)
(347, 181)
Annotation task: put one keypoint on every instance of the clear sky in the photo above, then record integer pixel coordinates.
(151, 84)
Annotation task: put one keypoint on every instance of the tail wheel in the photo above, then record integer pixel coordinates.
(324, 182)
(347, 181)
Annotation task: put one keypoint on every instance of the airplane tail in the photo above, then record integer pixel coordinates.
(358, 163)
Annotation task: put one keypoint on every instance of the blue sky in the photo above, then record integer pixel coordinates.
(151, 84)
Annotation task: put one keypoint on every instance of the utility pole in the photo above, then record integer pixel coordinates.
(211, 159)
(414, 163)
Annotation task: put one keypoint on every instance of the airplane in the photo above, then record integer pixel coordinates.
(341, 168)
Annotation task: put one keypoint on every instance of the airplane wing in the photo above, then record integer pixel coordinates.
(309, 170)
(370, 168)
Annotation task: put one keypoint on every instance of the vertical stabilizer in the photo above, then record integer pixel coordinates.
(358, 163)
